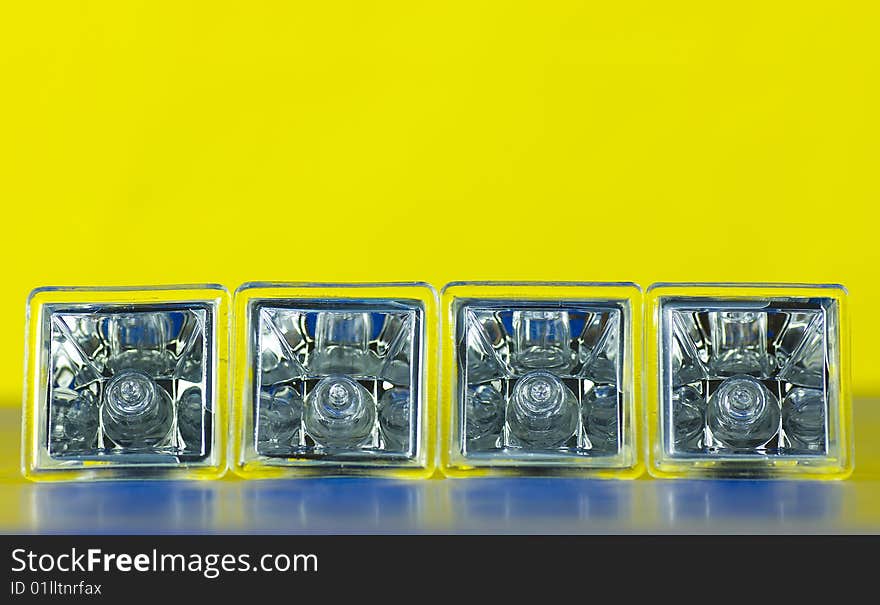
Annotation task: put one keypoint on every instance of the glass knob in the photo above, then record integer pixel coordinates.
(542, 411)
(339, 412)
(137, 412)
(743, 413)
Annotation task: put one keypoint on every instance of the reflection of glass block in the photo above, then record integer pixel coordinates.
(131, 381)
(749, 378)
(191, 413)
(542, 382)
(687, 344)
(487, 347)
(278, 418)
(541, 340)
(601, 408)
(484, 414)
(338, 384)
(790, 333)
(739, 343)
(599, 348)
(394, 414)
(803, 418)
(137, 341)
(73, 421)
(689, 417)
(278, 361)
(342, 344)
(394, 346)
(805, 365)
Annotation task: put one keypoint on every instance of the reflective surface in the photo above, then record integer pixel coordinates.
(539, 380)
(748, 378)
(336, 380)
(520, 505)
(128, 383)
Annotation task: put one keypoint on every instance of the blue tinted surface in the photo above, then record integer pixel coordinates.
(361, 505)
(461, 506)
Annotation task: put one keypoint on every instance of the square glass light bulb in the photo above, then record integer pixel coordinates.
(334, 378)
(541, 378)
(750, 381)
(125, 382)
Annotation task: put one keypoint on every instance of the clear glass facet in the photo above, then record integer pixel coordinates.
(599, 348)
(128, 382)
(688, 365)
(484, 416)
(336, 380)
(538, 378)
(803, 418)
(488, 346)
(745, 378)
(190, 419)
(601, 417)
(805, 365)
(278, 421)
(394, 417)
(689, 416)
(73, 421)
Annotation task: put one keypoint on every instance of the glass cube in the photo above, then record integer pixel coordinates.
(335, 378)
(750, 381)
(125, 382)
(542, 378)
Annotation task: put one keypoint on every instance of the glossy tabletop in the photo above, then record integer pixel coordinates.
(544, 505)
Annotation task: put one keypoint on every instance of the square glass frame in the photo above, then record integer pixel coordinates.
(835, 458)
(208, 304)
(617, 299)
(414, 300)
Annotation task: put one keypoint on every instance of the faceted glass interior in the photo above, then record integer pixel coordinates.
(539, 378)
(746, 378)
(132, 382)
(336, 381)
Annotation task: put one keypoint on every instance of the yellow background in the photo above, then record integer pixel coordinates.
(166, 142)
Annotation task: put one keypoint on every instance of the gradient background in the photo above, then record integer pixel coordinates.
(168, 142)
